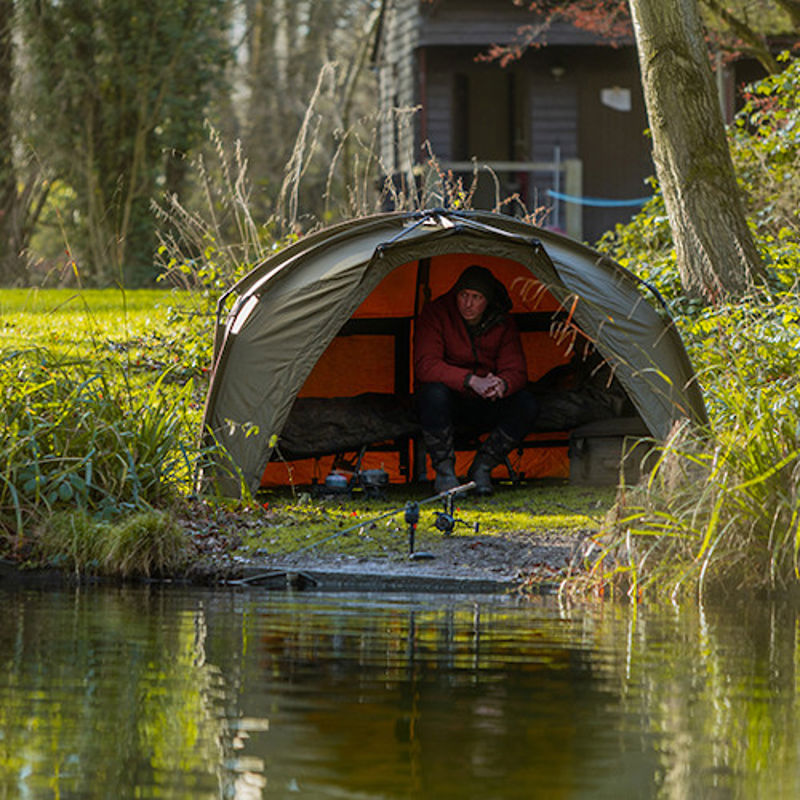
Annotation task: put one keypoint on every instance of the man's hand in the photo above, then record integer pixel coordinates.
(490, 387)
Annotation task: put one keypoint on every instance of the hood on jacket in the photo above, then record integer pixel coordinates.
(480, 279)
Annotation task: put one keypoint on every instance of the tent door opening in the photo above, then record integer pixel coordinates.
(357, 404)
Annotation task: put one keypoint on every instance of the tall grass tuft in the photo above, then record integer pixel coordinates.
(70, 540)
(144, 544)
(149, 543)
(721, 510)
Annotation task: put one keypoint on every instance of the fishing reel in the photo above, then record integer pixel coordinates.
(446, 520)
(373, 482)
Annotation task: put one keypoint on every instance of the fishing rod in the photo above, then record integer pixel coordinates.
(445, 520)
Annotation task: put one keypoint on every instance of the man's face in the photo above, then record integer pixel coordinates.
(471, 305)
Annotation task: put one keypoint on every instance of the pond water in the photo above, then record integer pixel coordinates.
(172, 693)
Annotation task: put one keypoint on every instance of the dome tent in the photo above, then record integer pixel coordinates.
(332, 316)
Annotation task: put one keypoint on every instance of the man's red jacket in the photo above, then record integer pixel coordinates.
(445, 353)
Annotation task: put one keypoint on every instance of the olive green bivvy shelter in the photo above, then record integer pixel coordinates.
(313, 356)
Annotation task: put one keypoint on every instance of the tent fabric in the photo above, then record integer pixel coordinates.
(285, 317)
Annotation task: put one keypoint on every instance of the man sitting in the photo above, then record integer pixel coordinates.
(470, 374)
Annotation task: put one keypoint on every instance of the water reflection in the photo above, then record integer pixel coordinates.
(409, 700)
(195, 694)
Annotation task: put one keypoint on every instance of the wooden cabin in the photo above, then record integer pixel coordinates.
(563, 127)
(566, 120)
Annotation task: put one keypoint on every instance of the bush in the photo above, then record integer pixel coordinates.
(721, 507)
(73, 434)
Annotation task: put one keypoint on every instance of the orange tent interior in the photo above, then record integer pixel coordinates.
(372, 353)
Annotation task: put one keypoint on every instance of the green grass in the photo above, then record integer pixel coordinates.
(66, 301)
(369, 528)
(32, 315)
(94, 324)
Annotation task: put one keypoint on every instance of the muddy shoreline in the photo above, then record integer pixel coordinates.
(471, 564)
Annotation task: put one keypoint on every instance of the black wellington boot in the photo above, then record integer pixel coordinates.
(439, 445)
(491, 453)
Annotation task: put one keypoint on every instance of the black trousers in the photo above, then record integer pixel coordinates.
(439, 407)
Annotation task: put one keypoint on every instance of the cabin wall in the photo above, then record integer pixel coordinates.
(613, 145)
(438, 112)
(526, 114)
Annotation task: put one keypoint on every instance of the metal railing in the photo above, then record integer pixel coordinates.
(566, 178)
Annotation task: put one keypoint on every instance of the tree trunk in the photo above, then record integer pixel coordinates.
(716, 254)
(9, 255)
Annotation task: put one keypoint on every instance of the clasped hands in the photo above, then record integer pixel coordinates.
(490, 387)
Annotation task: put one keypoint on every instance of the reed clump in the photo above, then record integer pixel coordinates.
(143, 544)
(721, 508)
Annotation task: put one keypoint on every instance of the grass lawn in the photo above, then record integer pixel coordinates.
(131, 337)
(81, 322)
